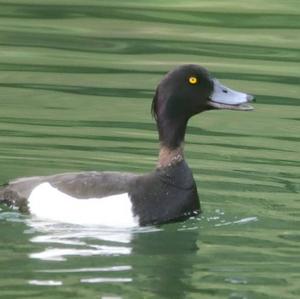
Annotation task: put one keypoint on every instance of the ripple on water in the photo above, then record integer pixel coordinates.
(45, 282)
(77, 240)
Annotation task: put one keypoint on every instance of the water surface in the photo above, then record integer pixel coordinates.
(76, 84)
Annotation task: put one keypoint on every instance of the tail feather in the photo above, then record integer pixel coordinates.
(11, 198)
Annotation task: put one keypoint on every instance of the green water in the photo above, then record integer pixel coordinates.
(76, 84)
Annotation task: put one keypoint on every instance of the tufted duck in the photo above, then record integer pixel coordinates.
(167, 194)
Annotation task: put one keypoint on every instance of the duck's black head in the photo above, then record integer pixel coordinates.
(188, 90)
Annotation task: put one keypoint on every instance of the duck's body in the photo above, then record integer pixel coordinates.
(164, 195)
(167, 194)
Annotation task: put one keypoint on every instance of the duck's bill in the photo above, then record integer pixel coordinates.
(226, 98)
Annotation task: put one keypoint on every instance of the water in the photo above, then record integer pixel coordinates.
(76, 82)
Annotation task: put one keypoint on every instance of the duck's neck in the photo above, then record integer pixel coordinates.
(171, 136)
(168, 156)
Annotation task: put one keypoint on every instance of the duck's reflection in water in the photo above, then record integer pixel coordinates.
(153, 260)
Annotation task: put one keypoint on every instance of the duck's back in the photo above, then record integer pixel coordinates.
(83, 185)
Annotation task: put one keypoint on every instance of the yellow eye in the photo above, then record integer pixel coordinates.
(193, 80)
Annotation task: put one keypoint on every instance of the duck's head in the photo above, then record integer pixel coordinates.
(188, 90)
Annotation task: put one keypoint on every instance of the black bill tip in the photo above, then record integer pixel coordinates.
(251, 98)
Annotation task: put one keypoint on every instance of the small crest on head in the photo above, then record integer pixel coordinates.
(154, 105)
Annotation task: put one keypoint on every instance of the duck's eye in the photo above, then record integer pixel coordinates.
(193, 80)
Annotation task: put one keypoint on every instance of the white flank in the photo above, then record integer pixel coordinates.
(49, 203)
